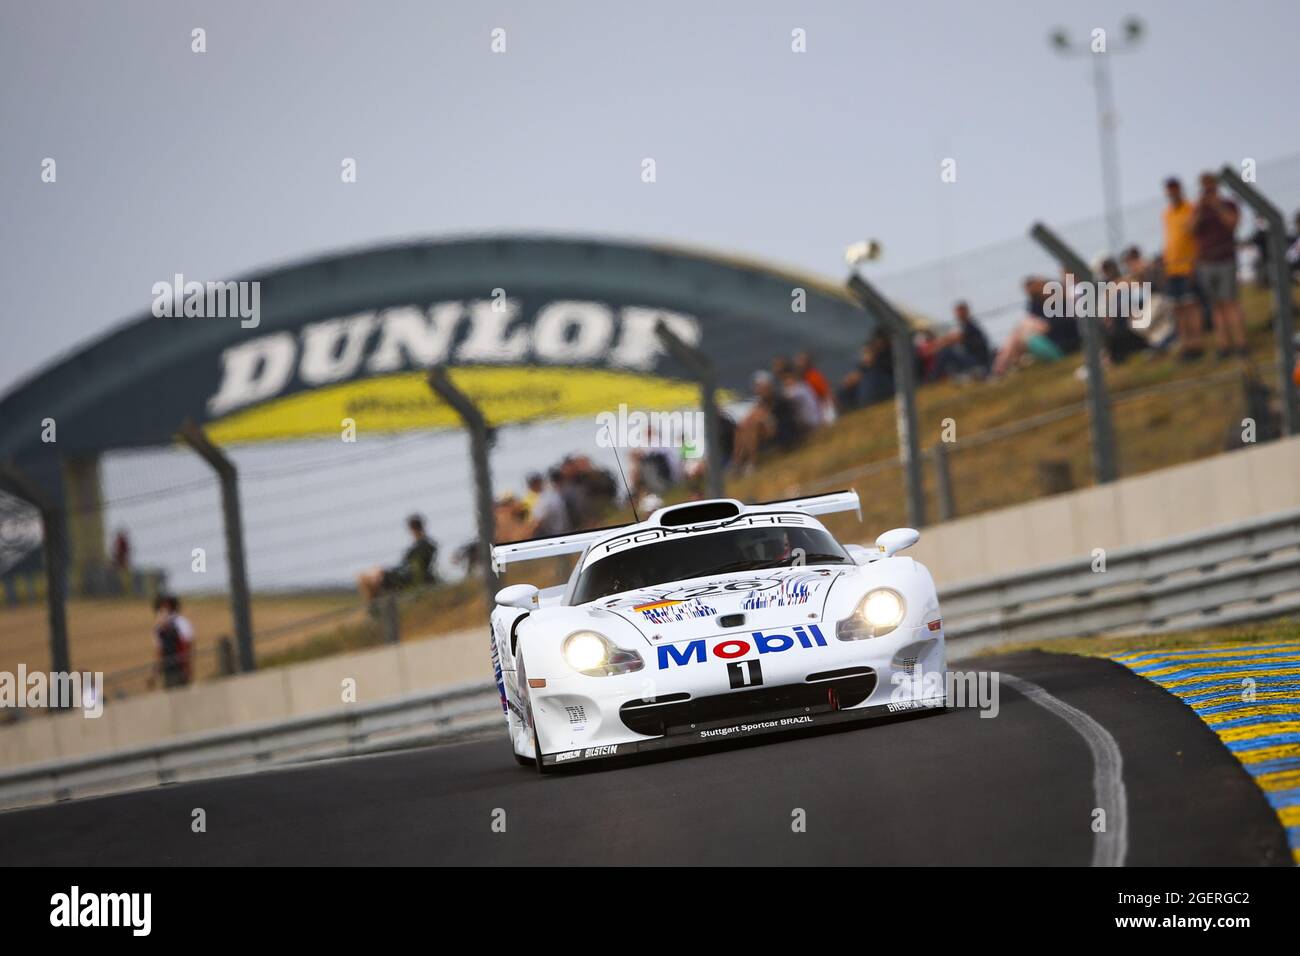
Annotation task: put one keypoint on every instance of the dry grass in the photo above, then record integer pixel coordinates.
(1279, 631)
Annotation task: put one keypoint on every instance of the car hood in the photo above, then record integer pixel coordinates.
(686, 610)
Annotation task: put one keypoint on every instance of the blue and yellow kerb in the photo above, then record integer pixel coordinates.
(1249, 694)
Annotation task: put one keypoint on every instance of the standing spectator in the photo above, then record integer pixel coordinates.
(550, 515)
(1215, 225)
(804, 365)
(173, 640)
(1180, 266)
(419, 563)
(965, 350)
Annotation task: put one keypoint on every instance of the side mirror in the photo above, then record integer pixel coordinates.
(859, 554)
(900, 539)
(523, 596)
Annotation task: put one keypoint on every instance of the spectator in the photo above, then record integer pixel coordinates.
(873, 380)
(174, 641)
(802, 399)
(1215, 225)
(770, 423)
(1180, 266)
(550, 515)
(1034, 333)
(804, 366)
(418, 566)
(965, 350)
(536, 485)
(1118, 338)
(510, 518)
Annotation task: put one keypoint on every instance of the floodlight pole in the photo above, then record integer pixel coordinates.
(909, 440)
(1283, 322)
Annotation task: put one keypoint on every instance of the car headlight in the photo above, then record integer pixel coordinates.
(882, 610)
(590, 653)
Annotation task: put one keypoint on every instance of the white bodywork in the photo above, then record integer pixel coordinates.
(720, 655)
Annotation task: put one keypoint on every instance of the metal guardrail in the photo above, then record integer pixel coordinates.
(1227, 575)
(1243, 572)
(425, 717)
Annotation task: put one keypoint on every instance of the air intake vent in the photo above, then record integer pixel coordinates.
(699, 513)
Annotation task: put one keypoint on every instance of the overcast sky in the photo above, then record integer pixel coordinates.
(219, 163)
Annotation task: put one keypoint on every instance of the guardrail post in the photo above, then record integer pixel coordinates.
(477, 428)
(53, 530)
(1099, 420)
(909, 440)
(1283, 323)
(943, 483)
(699, 366)
(241, 612)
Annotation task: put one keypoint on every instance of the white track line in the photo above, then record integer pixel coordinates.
(1111, 846)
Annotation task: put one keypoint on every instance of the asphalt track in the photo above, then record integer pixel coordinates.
(950, 788)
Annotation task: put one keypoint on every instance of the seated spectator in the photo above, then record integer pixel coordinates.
(965, 350)
(510, 518)
(804, 366)
(1032, 334)
(419, 564)
(1119, 340)
(550, 514)
(873, 380)
(771, 422)
(803, 400)
(926, 348)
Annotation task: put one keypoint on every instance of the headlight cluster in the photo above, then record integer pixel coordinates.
(590, 653)
(882, 610)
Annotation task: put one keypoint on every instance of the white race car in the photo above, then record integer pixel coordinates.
(712, 620)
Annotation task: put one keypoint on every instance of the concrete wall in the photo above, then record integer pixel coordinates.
(1158, 505)
(298, 690)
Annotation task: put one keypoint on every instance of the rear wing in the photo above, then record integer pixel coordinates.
(537, 548)
(830, 503)
(578, 541)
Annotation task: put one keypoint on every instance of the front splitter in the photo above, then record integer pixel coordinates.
(767, 724)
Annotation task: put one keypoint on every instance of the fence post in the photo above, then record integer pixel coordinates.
(699, 366)
(17, 483)
(1283, 323)
(241, 612)
(1099, 420)
(909, 439)
(478, 449)
(389, 619)
(943, 482)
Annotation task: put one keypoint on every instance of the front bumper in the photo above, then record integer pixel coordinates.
(583, 718)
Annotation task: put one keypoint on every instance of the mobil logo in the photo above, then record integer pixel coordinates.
(731, 648)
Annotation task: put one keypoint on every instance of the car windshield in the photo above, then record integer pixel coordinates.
(699, 555)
